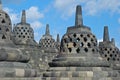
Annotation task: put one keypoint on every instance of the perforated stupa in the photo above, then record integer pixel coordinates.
(79, 58)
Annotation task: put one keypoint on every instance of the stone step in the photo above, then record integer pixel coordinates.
(5, 64)
(82, 78)
(73, 63)
(81, 74)
(78, 58)
(17, 72)
(79, 69)
(32, 78)
(78, 55)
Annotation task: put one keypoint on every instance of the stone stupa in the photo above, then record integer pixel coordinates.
(57, 43)
(13, 63)
(48, 47)
(79, 57)
(23, 33)
(47, 43)
(109, 51)
(23, 37)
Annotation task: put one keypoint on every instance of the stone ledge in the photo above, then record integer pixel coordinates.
(79, 78)
(36, 78)
(79, 69)
(81, 74)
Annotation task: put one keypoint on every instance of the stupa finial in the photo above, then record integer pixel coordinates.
(106, 34)
(47, 30)
(78, 18)
(58, 38)
(113, 41)
(23, 18)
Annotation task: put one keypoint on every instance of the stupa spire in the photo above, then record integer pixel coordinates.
(47, 30)
(78, 18)
(23, 18)
(58, 38)
(0, 5)
(113, 41)
(106, 34)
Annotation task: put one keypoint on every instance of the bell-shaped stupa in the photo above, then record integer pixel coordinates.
(109, 51)
(23, 33)
(13, 63)
(47, 43)
(79, 58)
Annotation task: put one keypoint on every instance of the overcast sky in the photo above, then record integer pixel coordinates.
(60, 14)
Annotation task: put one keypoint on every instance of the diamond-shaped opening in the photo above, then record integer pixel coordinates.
(108, 59)
(89, 45)
(70, 39)
(77, 50)
(88, 35)
(81, 35)
(85, 39)
(3, 37)
(69, 49)
(111, 55)
(105, 55)
(118, 59)
(110, 49)
(105, 49)
(86, 49)
(113, 51)
(93, 50)
(92, 39)
(81, 44)
(23, 36)
(74, 44)
(7, 30)
(74, 35)
(3, 21)
(78, 39)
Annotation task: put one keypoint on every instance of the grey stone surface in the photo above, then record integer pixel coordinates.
(47, 43)
(57, 43)
(13, 62)
(23, 34)
(109, 51)
(76, 57)
(78, 20)
(79, 56)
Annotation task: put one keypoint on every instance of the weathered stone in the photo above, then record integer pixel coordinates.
(79, 56)
(109, 51)
(13, 63)
(23, 34)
